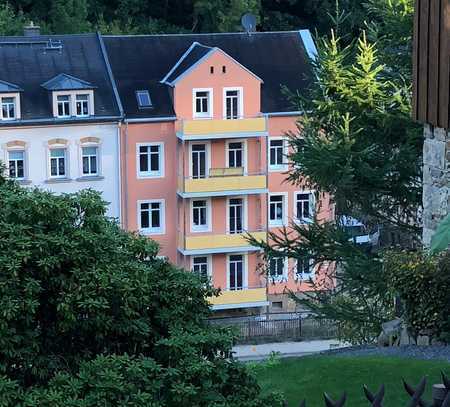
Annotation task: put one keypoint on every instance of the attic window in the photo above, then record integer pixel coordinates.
(211, 69)
(143, 98)
(224, 69)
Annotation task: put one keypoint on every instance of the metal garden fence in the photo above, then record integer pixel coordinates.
(440, 395)
(279, 329)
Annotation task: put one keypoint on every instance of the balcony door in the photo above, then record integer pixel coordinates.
(236, 272)
(199, 160)
(236, 215)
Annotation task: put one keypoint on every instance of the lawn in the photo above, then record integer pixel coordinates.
(309, 377)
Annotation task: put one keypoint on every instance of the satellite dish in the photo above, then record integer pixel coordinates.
(248, 21)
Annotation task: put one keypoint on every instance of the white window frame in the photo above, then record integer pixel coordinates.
(240, 91)
(88, 105)
(150, 174)
(66, 161)
(278, 167)
(244, 152)
(99, 166)
(245, 213)
(305, 276)
(245, 270)
(69, 102)
(208, 156)
(210, 113)
(16, 102)
(208, 227)
(73, 103)
(25, 161)
(284, 276)
(284, 221)
(152, 231)
(208, 263)
(312, 206)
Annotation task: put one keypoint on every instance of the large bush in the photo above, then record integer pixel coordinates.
(90, 316)
(423, 284)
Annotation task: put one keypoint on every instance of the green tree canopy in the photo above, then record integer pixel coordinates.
(91, 316)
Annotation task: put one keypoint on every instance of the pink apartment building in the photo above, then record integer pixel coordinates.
(203, 155)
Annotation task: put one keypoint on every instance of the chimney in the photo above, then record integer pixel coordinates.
(31, 30)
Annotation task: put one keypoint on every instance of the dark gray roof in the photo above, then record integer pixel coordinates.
(29, 62)
(66, 82)
(193, 55)
(9, 87)
(141, 62)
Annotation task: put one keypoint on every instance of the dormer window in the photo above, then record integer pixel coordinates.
(143, 98)
(71, 96)
(8, 108)
(82, 105)
(63, 103)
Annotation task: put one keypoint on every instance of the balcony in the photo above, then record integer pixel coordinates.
(222, 182)
(204, 129)
(246, 298)
(219, 243)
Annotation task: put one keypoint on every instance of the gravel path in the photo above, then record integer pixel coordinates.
(407, 351)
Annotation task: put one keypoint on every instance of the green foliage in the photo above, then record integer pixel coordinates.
(69, 16)
(423, 285)
(90, 316)
(11, 23)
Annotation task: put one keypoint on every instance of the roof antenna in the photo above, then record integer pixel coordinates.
(248, 21)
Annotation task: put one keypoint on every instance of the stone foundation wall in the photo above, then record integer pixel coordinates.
(436, 179)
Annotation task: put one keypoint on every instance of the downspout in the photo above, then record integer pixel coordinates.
(266, 208)
(125, 178)
(119, 172)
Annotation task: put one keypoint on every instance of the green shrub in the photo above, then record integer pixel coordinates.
(423, 285)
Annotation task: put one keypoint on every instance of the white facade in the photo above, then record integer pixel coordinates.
(37, 143)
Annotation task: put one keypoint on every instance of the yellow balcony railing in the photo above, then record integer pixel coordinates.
(245, 297)
(222, 127)
(218, 241)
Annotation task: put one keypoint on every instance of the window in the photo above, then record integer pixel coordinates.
(277, 270)
(143, 98)
(202, 103)
(224, 69)
(211, 69)
(304, 268)
(8, 108)
(200, 215)
(236, 215)
(90, 160)
(16, 161)
(236, 272)
(198, 157)
(63, 104)
(277, 210)
(151, 217)
(200, 266)
(304, 205)
(233, 103)
(58, 162)
(150, 160)
(82, 105)
(236, 154)
(277, 154)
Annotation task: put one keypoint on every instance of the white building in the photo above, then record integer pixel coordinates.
(60, 115)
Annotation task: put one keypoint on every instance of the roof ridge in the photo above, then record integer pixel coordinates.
(200, 34)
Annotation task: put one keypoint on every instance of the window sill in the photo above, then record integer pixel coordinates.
(57, 180)
(304, 278)
(277, 224)
(149, 176)
(88, 178)
(281, 279)
(23, 181)
(204, 230)
(303, 221)
(146, 232)
(278, 168)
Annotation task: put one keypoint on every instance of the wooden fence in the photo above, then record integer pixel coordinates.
(252, 330)
(440, 395)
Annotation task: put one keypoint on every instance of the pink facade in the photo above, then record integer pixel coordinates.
(168, 198)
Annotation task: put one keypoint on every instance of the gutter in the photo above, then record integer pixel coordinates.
(58, 121)
(278, 114)
(151, 119)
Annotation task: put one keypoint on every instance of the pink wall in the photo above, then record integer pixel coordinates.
(200, 77)
(135, 189)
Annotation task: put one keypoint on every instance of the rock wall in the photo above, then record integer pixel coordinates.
(436, 179)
